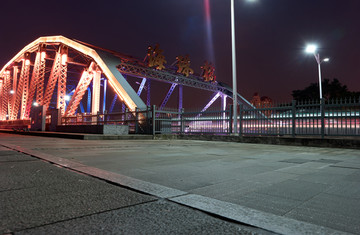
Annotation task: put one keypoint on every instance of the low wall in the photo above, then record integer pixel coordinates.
(95, 129)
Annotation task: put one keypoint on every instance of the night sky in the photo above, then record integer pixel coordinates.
(270, 35)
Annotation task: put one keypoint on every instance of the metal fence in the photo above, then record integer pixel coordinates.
(325, 118)
(180, 122)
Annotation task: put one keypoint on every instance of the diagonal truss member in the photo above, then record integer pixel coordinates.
(167, 97)
(22, 90)
(4, 95)
(37, 75)
(57, 74)
(80, 90)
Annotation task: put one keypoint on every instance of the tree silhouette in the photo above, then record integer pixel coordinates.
(331, 90)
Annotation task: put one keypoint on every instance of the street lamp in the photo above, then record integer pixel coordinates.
(311, 49)
(233, 54)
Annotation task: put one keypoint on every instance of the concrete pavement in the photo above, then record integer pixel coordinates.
(37, 197)
(283, 189)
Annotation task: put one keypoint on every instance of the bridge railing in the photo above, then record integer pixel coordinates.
(195, 122)
(313, 118)
(310, 118)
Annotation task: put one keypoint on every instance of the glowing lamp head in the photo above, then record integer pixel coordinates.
(12, 92)
(326, 59)
(36, 104)
(27, 62)
(311, 48)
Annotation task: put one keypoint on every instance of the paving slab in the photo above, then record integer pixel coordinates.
(330, 211)
(294, 189)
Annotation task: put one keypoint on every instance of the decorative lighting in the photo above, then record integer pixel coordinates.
(43, 55)
(63, 59)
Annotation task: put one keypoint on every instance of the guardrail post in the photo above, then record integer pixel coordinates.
(126, 114)
(230, 119)
(136, 120)
(98, 118)
(322, 110)
(240, 119)
(153, 120)
(105, 117)
(182, 130)
(293, 117)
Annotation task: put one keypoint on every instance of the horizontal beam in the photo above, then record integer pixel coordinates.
(168, 76)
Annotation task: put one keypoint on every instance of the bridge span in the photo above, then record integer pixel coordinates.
(72, 76)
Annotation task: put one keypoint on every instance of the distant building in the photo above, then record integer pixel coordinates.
(262, 102)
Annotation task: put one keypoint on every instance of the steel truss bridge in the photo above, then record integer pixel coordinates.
(65, 74)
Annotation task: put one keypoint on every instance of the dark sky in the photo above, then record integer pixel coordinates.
(270, 35)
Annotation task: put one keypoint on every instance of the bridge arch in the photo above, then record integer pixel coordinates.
(69, 66)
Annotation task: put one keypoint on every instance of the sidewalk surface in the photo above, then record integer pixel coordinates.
(175, 186)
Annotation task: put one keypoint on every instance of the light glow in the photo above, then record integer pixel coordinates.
(311, 48)
(67, 98)
(209, 37)
(326, 60)
(36, 104)
(43, 56)
(12, 92)
(63, 59)
(27, 62)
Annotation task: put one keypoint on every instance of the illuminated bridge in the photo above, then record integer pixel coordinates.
(73, 77)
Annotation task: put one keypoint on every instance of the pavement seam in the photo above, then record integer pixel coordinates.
(86, 215)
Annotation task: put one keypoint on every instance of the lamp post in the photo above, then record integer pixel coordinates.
(311, 49)
(233, 55)
(233, 49)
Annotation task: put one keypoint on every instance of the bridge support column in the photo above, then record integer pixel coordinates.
(95, 104)
(62, 76)
(180, 106)
(104, 98)
(22, 90)
(223, 109)
(2, 111)
(5, 95)
(88, 106)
